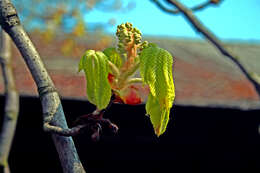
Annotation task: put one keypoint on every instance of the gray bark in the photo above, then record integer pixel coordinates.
(11, 102)
(176, 11)
(51, 105)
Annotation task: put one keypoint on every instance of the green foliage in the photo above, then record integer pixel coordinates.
(158, 116)
(156, 71)
(113, 56)
(96, 69)
(112, 70)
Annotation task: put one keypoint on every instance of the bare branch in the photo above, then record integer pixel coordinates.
(50, 100)
(11, 101)
(215, 41)
(63, 132)
(93, 122)
(176, 11)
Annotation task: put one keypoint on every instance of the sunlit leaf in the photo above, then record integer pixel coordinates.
(156, 71)
(96, 69)
(113, 56)
(159, 116)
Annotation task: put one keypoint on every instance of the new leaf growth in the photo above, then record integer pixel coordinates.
(113, 71)
(96, 70)
(156, 71)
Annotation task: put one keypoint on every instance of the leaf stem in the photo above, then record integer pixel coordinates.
(114, 69)
(134, 80)
(124, 75)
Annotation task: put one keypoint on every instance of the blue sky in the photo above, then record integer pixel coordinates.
(232, 20)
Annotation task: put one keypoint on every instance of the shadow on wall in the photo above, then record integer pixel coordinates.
(197, 140)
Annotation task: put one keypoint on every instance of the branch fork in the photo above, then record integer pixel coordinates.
(92, 122)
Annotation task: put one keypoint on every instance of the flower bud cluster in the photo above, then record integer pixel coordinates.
(127, 35)
(144, 45)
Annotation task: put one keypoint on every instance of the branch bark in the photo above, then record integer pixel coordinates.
(51, 105)
(199, 27)
(176, 11)
(11, 102)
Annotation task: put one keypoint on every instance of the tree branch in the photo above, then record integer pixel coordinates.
(215, 41)
(92, 122)
(63, 132)
(11, 102)
(176, 11)
(51, 105)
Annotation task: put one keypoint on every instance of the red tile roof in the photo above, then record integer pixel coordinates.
(202, 76)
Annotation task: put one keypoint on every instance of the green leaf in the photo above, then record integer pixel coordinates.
(113, 56)
(158, 116)
(95, 66)
(156, 71)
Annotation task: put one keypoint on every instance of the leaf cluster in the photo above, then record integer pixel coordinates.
(112, 71)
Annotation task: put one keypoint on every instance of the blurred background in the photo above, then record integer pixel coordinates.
(63, 30)
(215, 117)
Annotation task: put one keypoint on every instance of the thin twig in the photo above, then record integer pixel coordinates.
(188, 14)
(93, 122)
(11, 101)
(176, 11)
(63, 132)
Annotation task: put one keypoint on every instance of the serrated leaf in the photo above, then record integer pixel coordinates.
(156, 71)
(113, 56)
(96, 70)
(158, 116)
